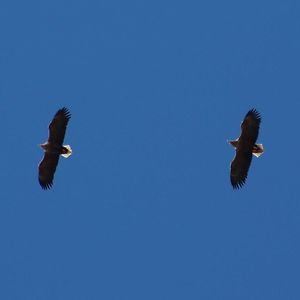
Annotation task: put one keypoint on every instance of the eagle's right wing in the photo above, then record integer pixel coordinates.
(47, 169)
(240, 166)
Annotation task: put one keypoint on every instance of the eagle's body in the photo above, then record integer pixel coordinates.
(245, 147)
(54, 148)
(257, 149)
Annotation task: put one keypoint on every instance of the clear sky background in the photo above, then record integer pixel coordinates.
(144, 209)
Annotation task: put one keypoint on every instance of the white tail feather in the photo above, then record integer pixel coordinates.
(66, 155)
(260, 146)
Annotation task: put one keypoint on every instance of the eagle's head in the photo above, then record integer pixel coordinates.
(44, 146)
(233, 143)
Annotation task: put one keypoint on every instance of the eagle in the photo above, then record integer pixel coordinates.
(245, 146)
(54, 147)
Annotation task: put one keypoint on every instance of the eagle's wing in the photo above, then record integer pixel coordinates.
(240, 166)
(58, 125)
(47, 169)
(250, 126)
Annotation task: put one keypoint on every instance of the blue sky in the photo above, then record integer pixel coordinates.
(144, 209)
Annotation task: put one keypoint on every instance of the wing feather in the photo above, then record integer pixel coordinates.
(47, 169)
(240, 167)
(58, 126)
(250, 126)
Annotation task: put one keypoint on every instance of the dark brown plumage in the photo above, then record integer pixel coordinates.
(245, 146)
(54, 147)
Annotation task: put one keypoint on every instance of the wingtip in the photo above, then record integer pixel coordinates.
(66, 112)
(45, 185)
(255, 112)
(238, 185)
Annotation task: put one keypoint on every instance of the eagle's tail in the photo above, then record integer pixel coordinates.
(68, 151)
(258, 150)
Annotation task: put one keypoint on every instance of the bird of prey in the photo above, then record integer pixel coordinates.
(245, 146)
(54, 147)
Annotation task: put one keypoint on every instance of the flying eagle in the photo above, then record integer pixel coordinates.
(54, 148)
(245, 146)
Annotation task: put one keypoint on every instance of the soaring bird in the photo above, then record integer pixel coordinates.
(54, 147)
(245, 146)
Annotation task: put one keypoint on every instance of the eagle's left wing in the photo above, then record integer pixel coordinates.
(58, 126)
(250, 126)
